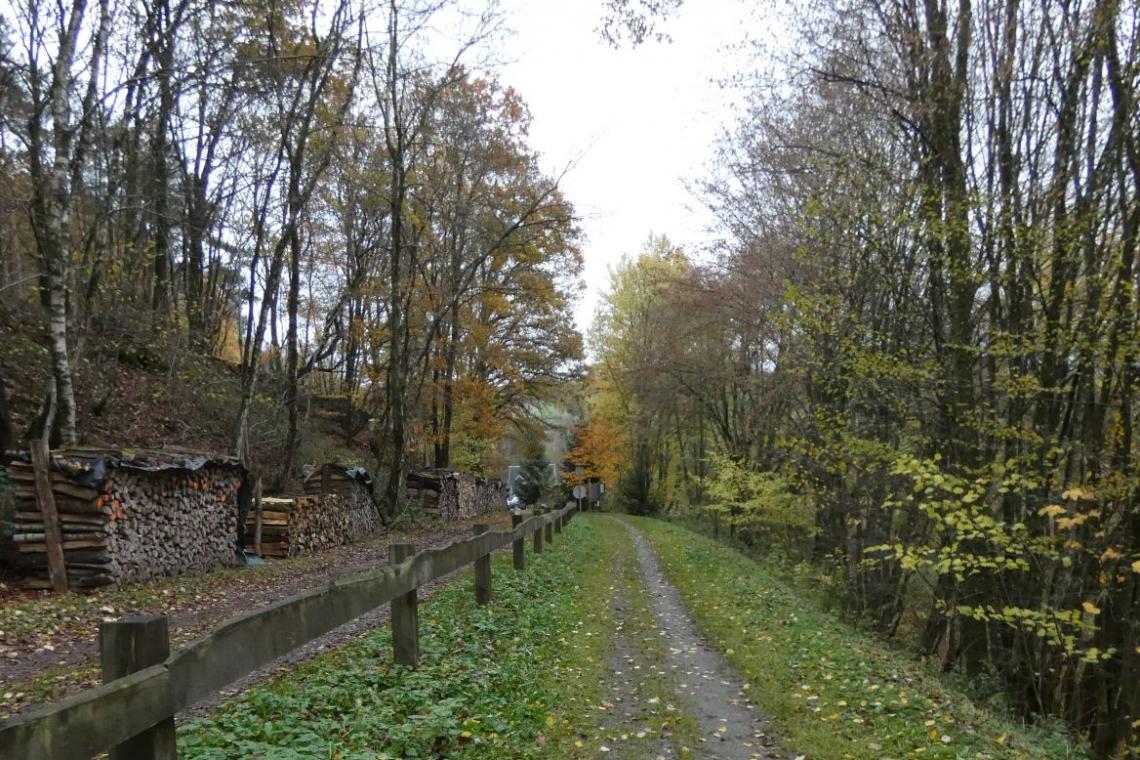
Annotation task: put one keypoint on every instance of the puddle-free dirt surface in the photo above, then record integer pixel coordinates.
(711, 692)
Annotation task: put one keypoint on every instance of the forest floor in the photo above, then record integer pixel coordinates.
(589, 653)
(49, 642)
(626, 638)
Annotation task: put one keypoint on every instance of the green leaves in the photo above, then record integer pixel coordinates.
(490, 680)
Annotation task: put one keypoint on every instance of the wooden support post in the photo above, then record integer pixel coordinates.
(127, 645)
(482, 571)
(257, 519)
(549, 527)
(557, 523)
(53, 535)
(405, 615)
(518, 547)
(538, 532)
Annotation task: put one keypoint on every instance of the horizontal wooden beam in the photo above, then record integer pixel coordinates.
(93, 721)
(100, 718)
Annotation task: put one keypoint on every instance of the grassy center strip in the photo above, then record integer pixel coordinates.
(639, 714)
(832, 691)
(513, 679)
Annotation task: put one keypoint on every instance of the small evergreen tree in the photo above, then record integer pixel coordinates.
(534, 478)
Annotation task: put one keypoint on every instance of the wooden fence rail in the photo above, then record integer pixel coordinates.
(130, 714)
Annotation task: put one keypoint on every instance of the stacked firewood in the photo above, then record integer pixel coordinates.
(292, 527)
(455, 495)
(124, 523)
(165, 525)
(333, 478)
(429, 490)
(355, 485)
(275, 514)
(84, 519)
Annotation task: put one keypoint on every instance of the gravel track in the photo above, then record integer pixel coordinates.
(732, 728)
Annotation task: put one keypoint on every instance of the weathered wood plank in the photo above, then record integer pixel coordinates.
(482, 571)
(404, 616)
(247, 642)
(257, 521)
(90, 722)
(518, 547)
(45, 500)
(126, 646)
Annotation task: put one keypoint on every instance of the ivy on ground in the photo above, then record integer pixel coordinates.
(511, 680)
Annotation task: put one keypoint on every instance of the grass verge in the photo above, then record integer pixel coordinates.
(516, 679)
(832, 691)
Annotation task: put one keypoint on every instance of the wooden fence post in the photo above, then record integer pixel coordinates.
(518, 547)
(405, 615)
(127, 645)
(558, 523)
(549, 527)
(257, 519)
(53, 535)
(538, 532)
(482, 571)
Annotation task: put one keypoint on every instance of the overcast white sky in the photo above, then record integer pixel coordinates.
(637, 122)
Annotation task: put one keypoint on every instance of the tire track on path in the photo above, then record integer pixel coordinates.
(732, 728)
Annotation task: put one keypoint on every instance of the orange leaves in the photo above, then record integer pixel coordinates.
(596, 451)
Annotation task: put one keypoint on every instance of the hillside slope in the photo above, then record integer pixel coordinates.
(137, 393)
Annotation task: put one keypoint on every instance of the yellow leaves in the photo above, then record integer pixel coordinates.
(1110, 554)
(1077, 494)
(1090, 608)
(1051, 511)
(1136, 566)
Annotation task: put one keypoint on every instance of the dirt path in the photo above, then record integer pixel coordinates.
(712, 692)
(57, 656)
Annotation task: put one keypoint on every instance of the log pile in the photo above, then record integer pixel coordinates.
(354, 484)
(291, 527)
(128, 517)
(455, 495)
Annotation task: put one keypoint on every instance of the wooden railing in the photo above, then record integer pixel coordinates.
(132, 714)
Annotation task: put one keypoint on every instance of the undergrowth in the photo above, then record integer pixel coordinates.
(514, 679)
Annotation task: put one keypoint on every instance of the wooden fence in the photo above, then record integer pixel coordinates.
(132, 714)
